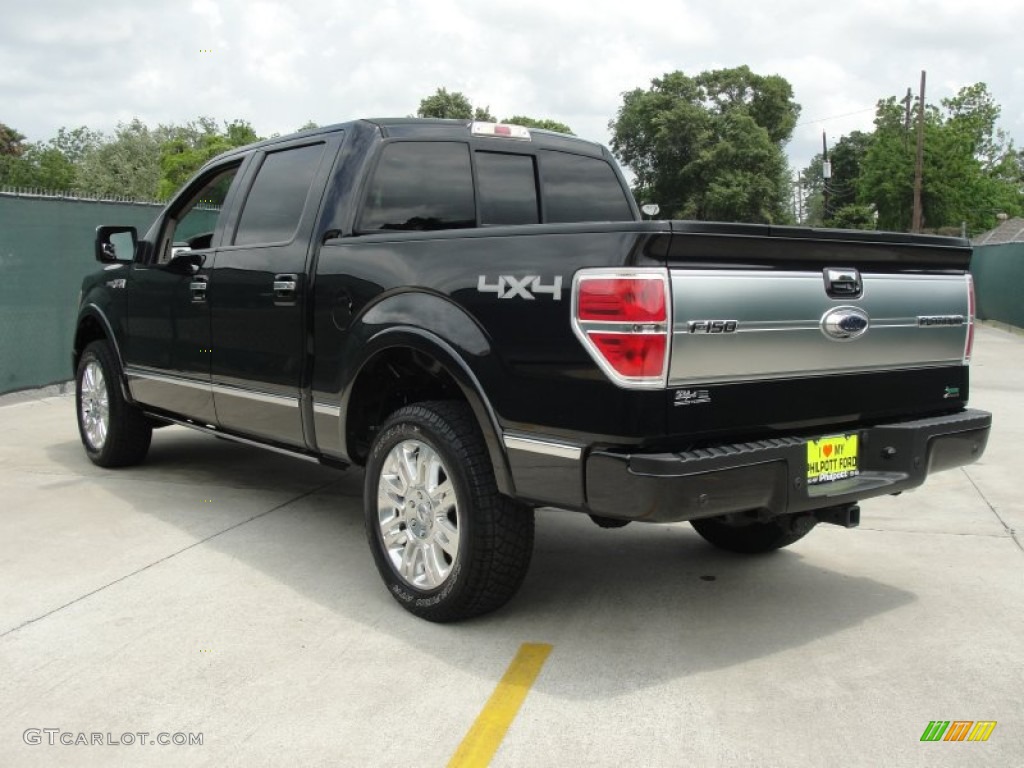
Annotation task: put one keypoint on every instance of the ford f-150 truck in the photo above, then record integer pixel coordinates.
(477, 314)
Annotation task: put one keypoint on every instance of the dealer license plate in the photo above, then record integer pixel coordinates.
(831, 458)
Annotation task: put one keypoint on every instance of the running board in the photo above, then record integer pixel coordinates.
(213, 431)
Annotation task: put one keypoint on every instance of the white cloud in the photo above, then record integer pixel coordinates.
(278, 64)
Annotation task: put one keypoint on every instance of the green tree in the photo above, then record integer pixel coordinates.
(75, 143)
(543, 123)
(12, 143)
(484, 114)
(971, 170)
(46, 167)
(710, 146)
(185, 149)
(811, 193)
(453, 106)
(846, 158)
(853, 216)
(50, 165)
(126, 165)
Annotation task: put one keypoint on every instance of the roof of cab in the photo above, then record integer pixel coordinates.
(431, 128)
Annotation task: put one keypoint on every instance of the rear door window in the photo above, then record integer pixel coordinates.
(420, 185)
(278, 196)
(508, 189)
(580, 188)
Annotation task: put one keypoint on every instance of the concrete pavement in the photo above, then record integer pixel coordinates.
(226, 591)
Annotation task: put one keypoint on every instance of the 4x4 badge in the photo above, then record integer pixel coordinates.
(511, 287)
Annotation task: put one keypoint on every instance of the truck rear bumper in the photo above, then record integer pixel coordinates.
(771, 475)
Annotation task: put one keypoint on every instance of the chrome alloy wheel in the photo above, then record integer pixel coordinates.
(94, 407)
(418, 514)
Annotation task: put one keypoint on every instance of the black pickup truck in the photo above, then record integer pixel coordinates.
(477, 314)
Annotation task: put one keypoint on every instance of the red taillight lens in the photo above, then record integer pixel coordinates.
(622, 318)
(630, 299)
(969, 346)
(632, 354)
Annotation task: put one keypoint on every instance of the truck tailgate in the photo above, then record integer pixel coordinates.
(887, 318)
(784, 323)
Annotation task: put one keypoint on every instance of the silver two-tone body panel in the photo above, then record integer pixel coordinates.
(913, 321)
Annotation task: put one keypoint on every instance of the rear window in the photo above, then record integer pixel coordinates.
(508, 189)
(578, 188)
(420, 186)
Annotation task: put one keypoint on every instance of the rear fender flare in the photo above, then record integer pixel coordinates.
(436, 327)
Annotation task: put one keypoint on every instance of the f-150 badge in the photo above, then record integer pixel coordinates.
(529, 287)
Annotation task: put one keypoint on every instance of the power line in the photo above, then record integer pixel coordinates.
(835, 117)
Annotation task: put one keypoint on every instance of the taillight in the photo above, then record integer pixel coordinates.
(969, 344)
(622, 318)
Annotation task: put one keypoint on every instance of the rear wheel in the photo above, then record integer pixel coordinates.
(446, 543)
(114, 432)
(737, 533)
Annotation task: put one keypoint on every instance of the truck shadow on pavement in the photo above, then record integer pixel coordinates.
(626, 609)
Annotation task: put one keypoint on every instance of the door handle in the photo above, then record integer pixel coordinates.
(285, 286)
(198, 288)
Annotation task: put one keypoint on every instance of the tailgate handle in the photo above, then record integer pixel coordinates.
(843, 283)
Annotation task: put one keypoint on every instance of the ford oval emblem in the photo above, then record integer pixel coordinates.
(844, 323)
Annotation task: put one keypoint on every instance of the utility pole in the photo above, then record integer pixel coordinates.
(826, 175)
(799, 197)
(907, 101)
(919, 164)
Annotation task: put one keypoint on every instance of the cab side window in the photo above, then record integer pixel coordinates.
(579, 188)
(420, 185)
(278, 196)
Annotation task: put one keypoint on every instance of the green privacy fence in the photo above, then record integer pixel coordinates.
(999, 282)
(46, 248)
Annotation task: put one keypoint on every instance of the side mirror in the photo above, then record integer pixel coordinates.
(185, 263)
(115, 244)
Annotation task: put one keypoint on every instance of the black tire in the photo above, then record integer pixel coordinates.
(494, 534)
(751, 537)
(125, 440)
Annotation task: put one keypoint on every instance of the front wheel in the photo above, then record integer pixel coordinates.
(446, 543)
(114, 432)
(736, 533)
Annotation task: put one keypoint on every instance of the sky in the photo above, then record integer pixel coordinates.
(279, 64)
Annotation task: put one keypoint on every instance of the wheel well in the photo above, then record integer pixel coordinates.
(89, 330)
(394, 378)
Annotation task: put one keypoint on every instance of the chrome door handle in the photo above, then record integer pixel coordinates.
(285, 286)
(198, 287)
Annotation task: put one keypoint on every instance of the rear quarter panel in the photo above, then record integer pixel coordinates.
(528, 361)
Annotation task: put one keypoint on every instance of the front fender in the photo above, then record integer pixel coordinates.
(92, 324)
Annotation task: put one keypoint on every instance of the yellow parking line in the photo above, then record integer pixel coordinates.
(484, 738)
